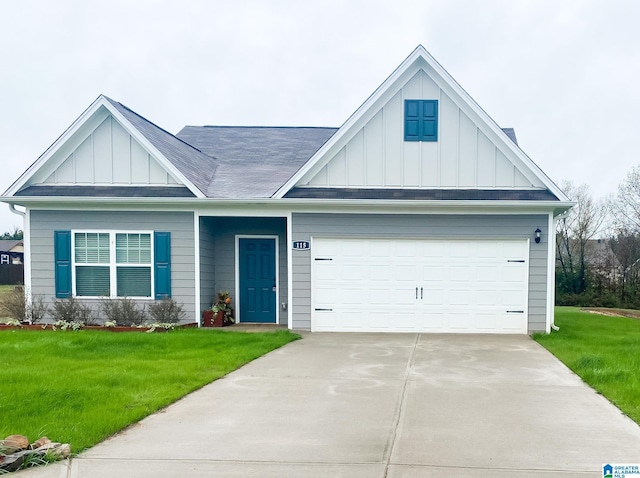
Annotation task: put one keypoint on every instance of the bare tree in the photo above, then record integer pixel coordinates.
(626, 206)
(580, 224)
(626, 249)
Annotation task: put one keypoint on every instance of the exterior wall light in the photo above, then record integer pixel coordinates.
(538, 231)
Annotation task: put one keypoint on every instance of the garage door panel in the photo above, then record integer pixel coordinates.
(420, 285)
(462, 273)
(488, 273)
(488, 297)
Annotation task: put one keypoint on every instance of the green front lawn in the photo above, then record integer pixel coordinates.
(81, 387)
(604, 351)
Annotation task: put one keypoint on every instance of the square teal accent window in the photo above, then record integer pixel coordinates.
(421, 120)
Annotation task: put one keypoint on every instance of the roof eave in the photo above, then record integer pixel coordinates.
(49, 202)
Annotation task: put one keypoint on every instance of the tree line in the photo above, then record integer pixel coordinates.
(598, 247)
(15, 235)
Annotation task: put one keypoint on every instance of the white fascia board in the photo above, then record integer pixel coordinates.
(280, 207)
(57, 144)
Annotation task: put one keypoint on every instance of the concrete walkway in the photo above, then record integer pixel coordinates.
(370, 405)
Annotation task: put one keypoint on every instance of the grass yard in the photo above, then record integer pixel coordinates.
(603, 350)
(81, 387)
(5, 289)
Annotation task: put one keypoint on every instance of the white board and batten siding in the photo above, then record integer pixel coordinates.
(468, 246)
(376, 155)
(419, 285)
(108, 155)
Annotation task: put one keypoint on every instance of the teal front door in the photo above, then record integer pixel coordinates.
(257, 265)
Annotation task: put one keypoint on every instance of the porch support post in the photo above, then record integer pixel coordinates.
(196, 254)
(288, 239)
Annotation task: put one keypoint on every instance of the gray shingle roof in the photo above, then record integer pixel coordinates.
(425, 194)
(511, 133)
(254, 161)
(196, 166)
(107, 191)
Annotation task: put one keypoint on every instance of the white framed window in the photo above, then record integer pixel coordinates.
(4, 258)
(112, 263)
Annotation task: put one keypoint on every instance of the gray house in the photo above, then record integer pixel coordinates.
(418, 214)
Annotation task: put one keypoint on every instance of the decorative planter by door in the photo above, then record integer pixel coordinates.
(218, 320)
(207, 318)
(213, 319)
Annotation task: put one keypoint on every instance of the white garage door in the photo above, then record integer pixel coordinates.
(398, 285)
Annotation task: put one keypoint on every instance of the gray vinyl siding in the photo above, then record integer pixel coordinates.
(306, 225)
(220, 235)
(179, 224)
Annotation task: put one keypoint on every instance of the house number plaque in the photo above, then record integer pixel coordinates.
(301, 245)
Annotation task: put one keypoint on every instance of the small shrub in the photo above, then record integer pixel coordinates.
(37, 310)
(72, 310)
(166, 311)
(123, 311)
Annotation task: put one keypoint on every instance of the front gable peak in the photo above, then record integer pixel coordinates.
(420, 130)
(103, 148)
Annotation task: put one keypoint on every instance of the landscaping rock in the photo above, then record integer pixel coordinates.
(14, 443)
(14, 453)
(61, 451)
(40, 442)
(13, 462)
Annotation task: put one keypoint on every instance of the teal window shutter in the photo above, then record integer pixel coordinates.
(162, 258)
(62, 257)
(421, 120)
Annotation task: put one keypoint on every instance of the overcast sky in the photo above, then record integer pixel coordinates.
(564, 74)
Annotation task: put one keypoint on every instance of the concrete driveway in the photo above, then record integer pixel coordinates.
(371, 405)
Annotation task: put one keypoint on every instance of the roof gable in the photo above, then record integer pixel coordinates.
(110, 145)
(369, 150)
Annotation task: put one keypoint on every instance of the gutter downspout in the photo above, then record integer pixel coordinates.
(27, 254)
(12, 208)
(555, 220)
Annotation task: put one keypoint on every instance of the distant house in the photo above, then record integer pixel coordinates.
(11, 252)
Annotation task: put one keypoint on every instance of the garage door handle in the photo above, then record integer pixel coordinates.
(324, 310)
(416, 292)
(515, 260)
(420, 292)
(323, 259)
(515, 311)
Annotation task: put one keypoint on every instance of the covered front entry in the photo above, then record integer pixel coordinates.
(247, 257)
(257, 279)
(419, 285)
